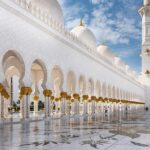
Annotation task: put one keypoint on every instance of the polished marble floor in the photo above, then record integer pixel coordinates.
(131, 132)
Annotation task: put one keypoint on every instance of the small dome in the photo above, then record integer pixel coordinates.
(51, 7)
(85, 35)
(103, 49)
(106, 52)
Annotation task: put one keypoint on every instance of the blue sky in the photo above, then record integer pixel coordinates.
(114, 22)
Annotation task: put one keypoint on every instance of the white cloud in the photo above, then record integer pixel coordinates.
(113, 28)
(126, 53)
(116, 31)
(95, 1)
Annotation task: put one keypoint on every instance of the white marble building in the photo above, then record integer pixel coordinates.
(77, 75)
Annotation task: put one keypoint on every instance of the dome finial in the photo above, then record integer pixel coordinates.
(102, 42)
(81, 22)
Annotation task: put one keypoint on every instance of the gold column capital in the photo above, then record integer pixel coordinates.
(52, 97)
(85, 97)
(36, 98)
(93, 98)
(47, 93)
(76, 96)
(68, 97)
(25, 91)
(1, 87)
(5, 94)
(63, 94)
(57, 99)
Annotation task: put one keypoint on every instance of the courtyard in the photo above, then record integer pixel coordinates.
(86, 132)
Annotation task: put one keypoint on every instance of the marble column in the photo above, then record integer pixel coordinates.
(93, 98)
(105, 107)
(6, 101)
(51, 105)
(1, 102)
(68, 105)
(47, 94)
(36, 101)
(25, 93)
(76, 103)
(108, 108)
(100, 107)
(97, 106)
(63, 103)
(120, 111)
(85, 104)
(4, 96)
(1, 107)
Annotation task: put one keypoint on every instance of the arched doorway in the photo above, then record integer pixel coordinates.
(14, 70)
(39, 78)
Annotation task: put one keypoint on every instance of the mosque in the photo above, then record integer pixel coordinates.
(66, 69)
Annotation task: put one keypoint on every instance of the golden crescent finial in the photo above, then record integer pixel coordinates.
(81, 22)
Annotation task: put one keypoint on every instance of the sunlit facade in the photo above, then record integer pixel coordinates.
(64, 69)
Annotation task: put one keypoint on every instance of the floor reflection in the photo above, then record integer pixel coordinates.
(92, 132)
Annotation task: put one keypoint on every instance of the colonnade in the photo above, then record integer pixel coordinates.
(69, 104)
(71, 94)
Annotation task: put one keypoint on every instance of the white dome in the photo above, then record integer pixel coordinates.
(85, 35)
(51, 7)
(103, 49)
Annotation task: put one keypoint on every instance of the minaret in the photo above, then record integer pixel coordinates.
(146, 2)
(145, 51)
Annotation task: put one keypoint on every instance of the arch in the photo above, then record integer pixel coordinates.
(90, 87)
(117, 93)
(57, 80)
(71, 82)
(121, 94)
(39, 72)
(98, 89)
(82, 84)
(113, 92)
(104, 90)
(126, 95)
(13, 64)
(109, 91)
